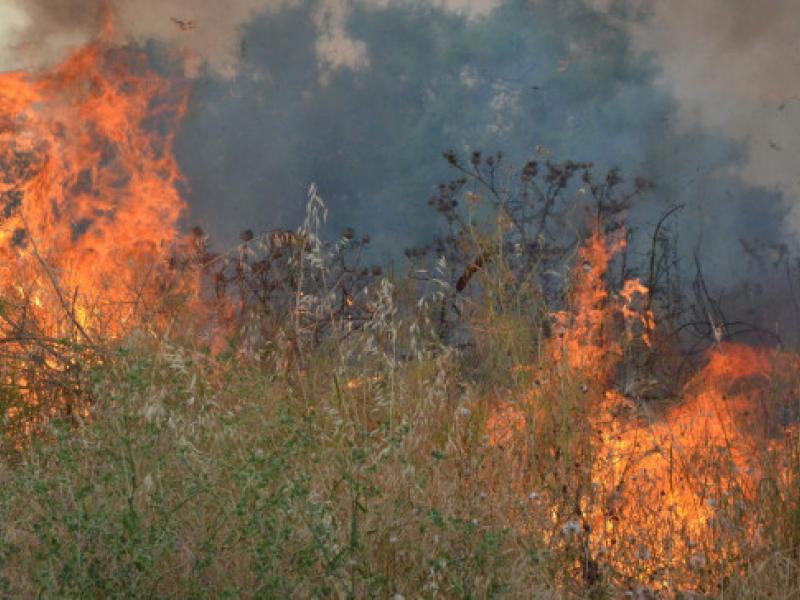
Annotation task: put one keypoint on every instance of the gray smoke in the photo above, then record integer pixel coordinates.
(38, 33)
(734, 67)
(362, 96)
(206, 34)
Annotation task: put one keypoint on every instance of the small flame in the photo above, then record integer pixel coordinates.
(359, 382)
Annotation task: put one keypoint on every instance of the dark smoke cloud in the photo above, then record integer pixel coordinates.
(560, 74)
(362, 97)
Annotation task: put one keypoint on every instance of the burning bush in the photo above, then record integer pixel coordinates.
(88, 208)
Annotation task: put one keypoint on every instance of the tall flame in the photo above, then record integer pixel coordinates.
(581, 333)
(89, 194)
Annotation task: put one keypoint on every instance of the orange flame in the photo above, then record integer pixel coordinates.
(89, 191)
(665, 482)
(581, 339)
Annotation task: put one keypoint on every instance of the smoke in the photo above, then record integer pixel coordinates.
(36, 33)
(734, 67)
(362, 96)
(729, 68)
(206, 34)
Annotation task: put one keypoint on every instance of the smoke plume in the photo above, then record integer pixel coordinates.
(362, 96)
(734, 67)
(206, 34)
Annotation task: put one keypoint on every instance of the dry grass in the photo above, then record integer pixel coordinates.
(373, 464)
(201, 476)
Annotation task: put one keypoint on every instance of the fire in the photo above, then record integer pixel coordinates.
(581, 334)
(685, 475)
(663, 491)
(89, 204)
(89, 196)
(358, 382)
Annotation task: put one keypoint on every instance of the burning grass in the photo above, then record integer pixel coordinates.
(380, 463)
(281, 421)
(666, 496)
